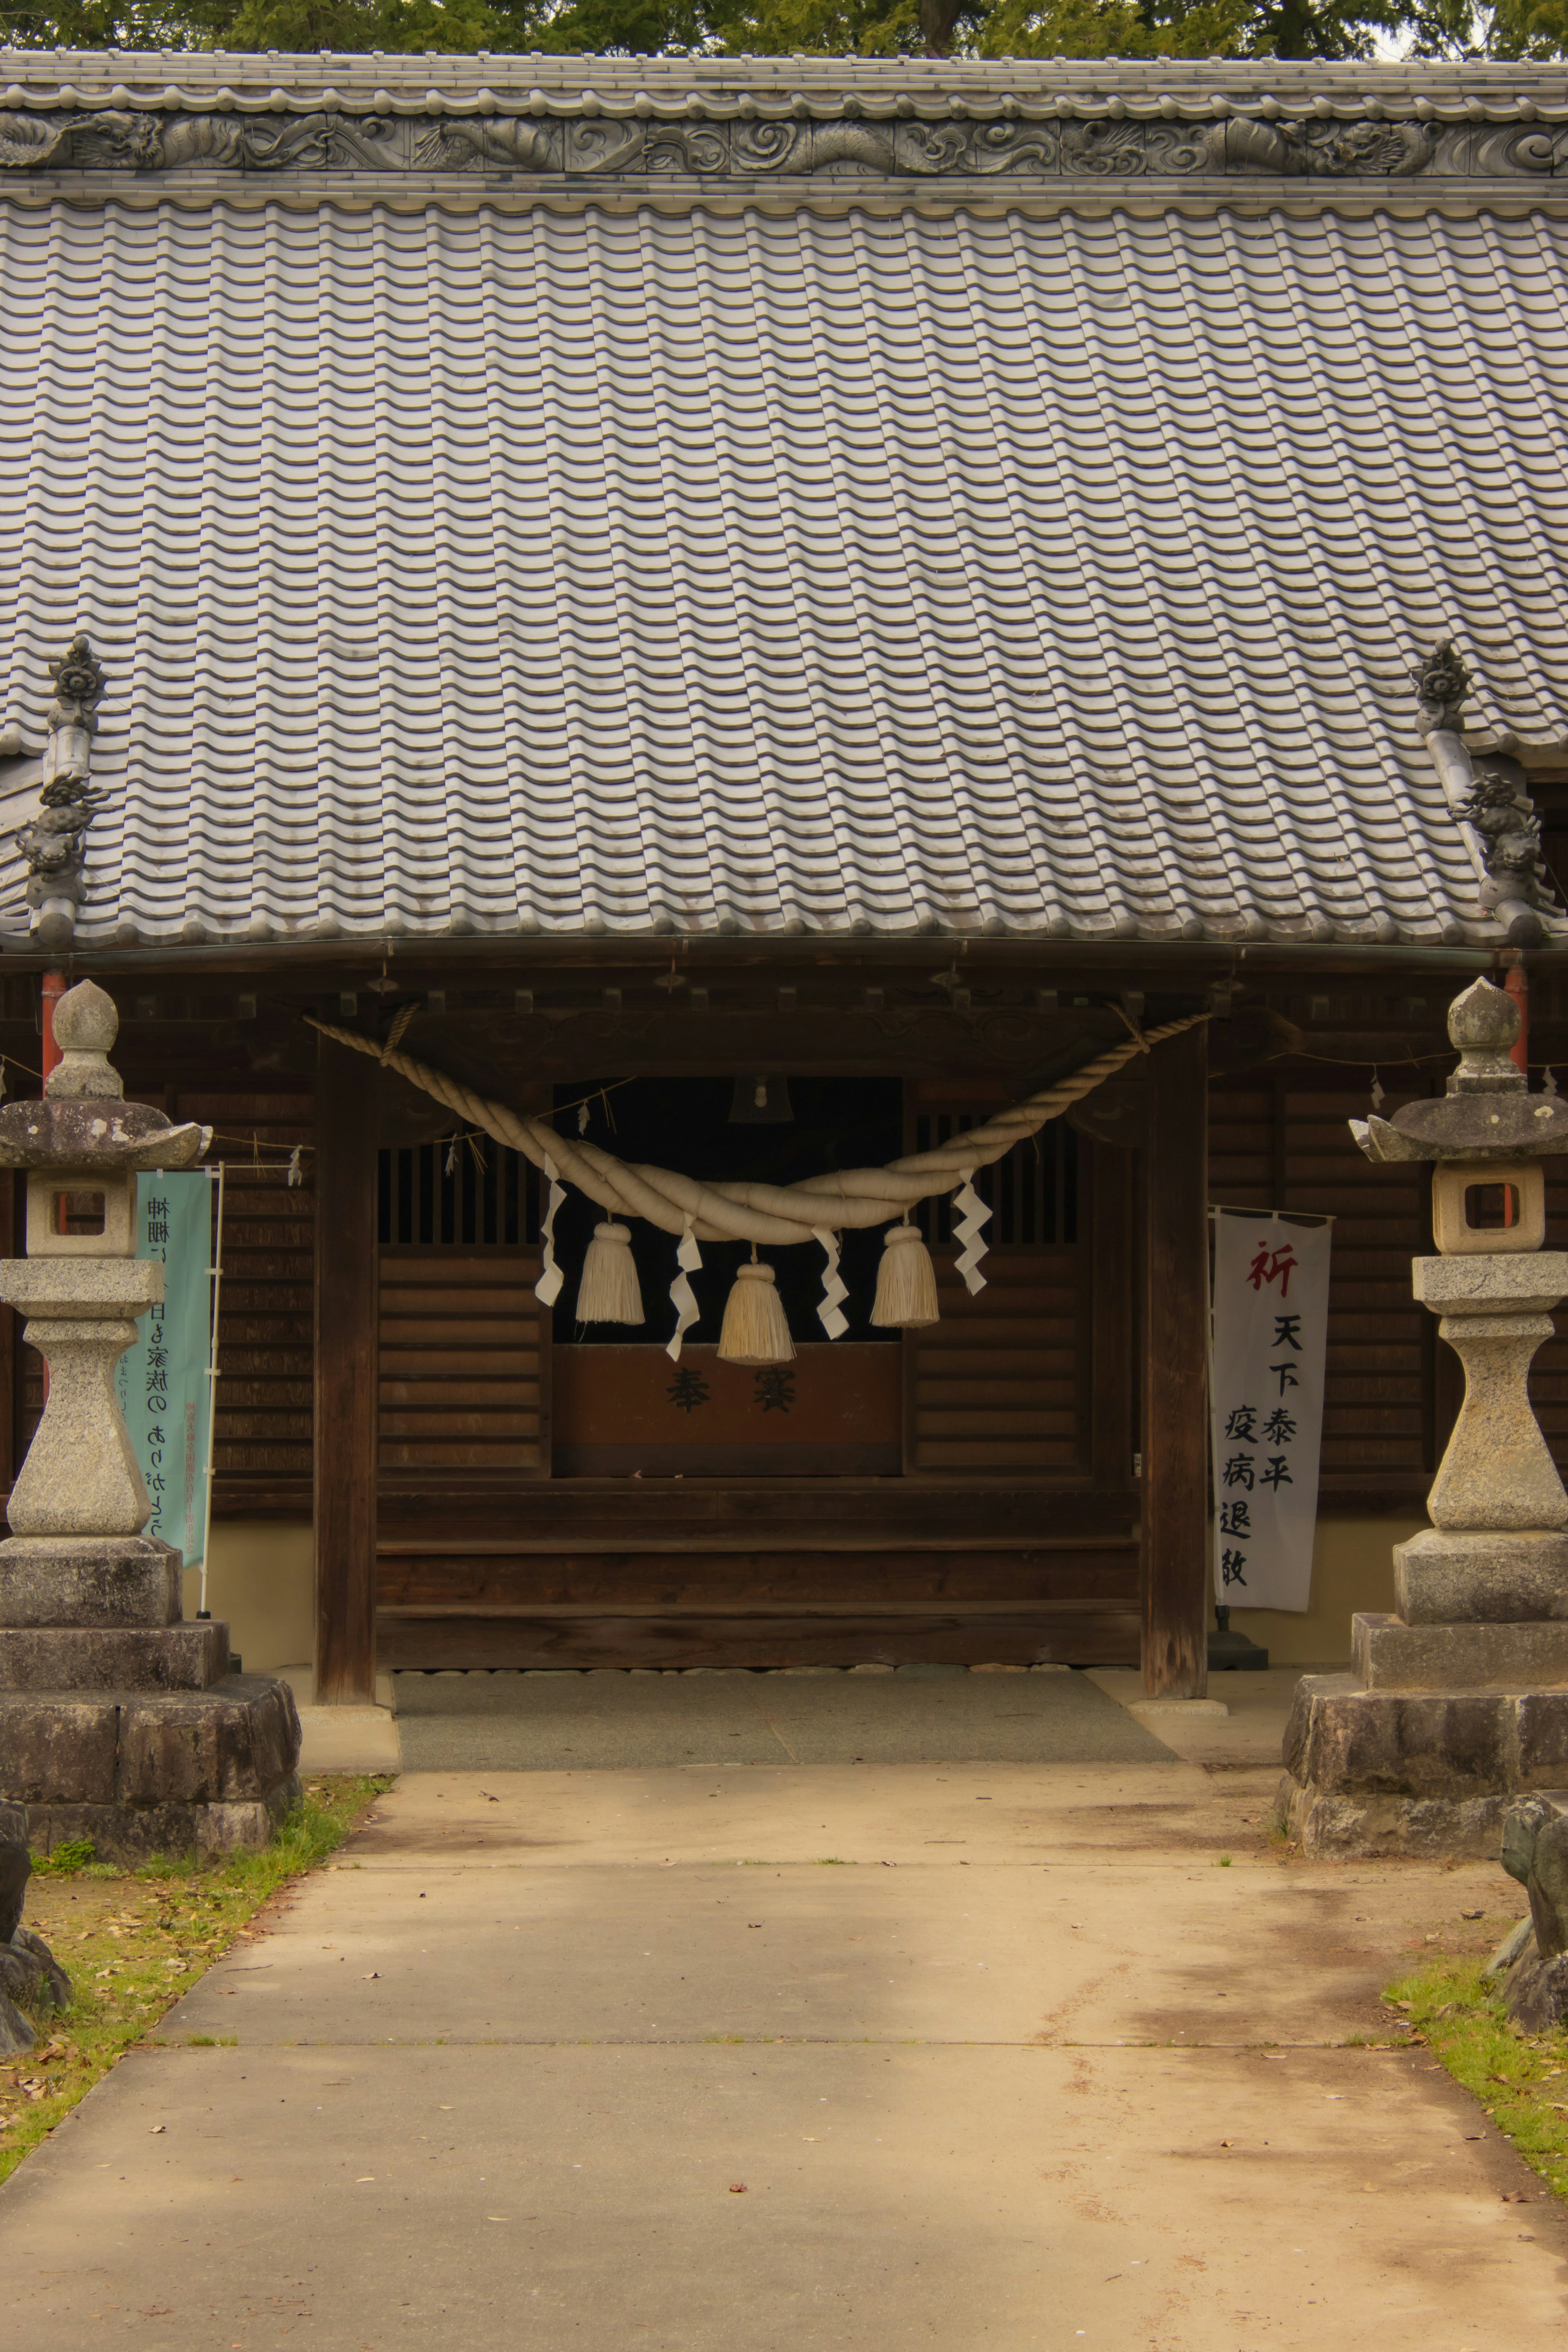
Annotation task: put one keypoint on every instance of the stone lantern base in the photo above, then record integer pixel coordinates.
(1457, 1706)
(121, 1723)
(1428, 1771)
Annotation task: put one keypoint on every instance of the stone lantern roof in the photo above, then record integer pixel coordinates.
(84, 1121)
(1488, 1112)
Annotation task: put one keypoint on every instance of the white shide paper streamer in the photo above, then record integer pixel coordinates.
(834, 1289)
(968, 1232)
(547, 1289)
(682, 1298)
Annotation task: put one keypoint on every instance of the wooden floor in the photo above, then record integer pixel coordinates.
(617, 1572)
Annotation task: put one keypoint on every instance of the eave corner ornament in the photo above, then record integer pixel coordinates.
(54, 841)
(1490, 797)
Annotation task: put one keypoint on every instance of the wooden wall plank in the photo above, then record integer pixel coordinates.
(1002, 1383)
(463, 1351)
(345, 1377)
(1175, 1372)
(1110, 1195)
(267, 1307)
(1285, 1144)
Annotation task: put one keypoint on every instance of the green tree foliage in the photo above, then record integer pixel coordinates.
(399, 26)
(1025, 28)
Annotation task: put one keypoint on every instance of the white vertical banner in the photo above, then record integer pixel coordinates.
(1271, 1338)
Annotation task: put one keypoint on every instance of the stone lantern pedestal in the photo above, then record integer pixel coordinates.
(1459, 1704)
(118, 1721)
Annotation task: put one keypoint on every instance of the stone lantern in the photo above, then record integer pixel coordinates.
(118, 1721)
(1459, 1704)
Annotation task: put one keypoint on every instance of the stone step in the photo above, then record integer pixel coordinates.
(1448, 1576)
(68, 1753)
(1388, 1655)
(1415, 1771)
(112, 1657)
(89, 1581)
(1425, 1745)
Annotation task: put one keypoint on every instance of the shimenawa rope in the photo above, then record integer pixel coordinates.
(780, 1215)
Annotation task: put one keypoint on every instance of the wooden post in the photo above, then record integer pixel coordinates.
(346, 1356)
(1175, 1372)
(55, 984)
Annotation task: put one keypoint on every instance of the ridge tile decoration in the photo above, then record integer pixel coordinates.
(793, 574)
(873, 129)
(54, 841)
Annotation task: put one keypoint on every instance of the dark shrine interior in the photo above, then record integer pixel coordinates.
(685, 1124)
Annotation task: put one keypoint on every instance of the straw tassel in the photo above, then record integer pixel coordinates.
(608, 1292)
(906, 1282)
(756, 1330)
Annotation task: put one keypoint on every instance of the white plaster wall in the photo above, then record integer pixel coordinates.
(260, 1577)
(1352, 1568)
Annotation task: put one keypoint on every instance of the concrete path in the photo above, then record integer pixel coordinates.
(801, 1714)
(814, 2059)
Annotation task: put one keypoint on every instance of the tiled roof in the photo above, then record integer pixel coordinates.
(410, 128)
(627, 569)
(297, 80)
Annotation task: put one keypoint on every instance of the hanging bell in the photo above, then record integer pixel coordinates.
(761, 1100)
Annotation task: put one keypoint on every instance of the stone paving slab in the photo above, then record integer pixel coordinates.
(906, 2110)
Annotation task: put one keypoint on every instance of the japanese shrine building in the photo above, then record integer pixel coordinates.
(647, 576)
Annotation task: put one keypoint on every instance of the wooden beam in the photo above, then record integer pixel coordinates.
(1063, 1635)
(1175, 1372)
(346, 1349)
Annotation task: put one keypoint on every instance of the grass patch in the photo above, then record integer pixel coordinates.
(134, 1941)
(1519, 2079)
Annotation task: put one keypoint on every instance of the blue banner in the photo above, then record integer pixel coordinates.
(162, 1381)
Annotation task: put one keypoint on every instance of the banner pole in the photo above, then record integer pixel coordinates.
(52, 988)
(214, 1276)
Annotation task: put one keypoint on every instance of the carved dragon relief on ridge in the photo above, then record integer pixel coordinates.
(117, 140)
(849, 148)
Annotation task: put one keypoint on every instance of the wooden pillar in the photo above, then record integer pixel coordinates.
(1176, 1576)
(346, 1368)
